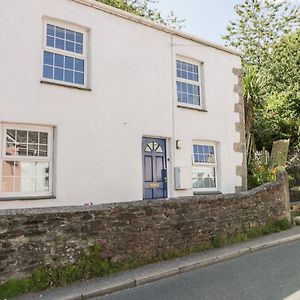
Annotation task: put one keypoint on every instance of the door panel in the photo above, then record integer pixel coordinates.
(159, 168)
(148, 165)
(154, 168)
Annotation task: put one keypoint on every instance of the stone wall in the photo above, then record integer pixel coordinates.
(141, 229)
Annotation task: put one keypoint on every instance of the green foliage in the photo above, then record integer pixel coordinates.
(220, 241)
(91, 265)
(254, 91)
(142, 8)
(260, 173)
(268, 34)
(276, 120)
(259, 24)
(283, 66)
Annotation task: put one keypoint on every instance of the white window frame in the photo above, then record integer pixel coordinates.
(84, 55)
(5, 157)
(188, 81)
(198, 165)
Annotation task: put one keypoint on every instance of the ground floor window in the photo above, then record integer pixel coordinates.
(204, 171)
(25, 160)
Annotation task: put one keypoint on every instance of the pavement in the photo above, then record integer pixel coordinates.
(153, 272)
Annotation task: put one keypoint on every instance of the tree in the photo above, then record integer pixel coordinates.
(259, 25)
(142, 9)
(267, 32)
(280, 115)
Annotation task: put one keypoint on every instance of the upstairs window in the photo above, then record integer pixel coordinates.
(188, 83)
(204, 171)
(64, 57)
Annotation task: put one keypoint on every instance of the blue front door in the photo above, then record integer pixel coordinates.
(154, 168)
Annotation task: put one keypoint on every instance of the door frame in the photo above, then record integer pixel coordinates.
(167, 162)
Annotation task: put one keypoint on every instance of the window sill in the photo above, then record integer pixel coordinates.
(27, 198)
(191, 107)
(207, 193)
(66, 85)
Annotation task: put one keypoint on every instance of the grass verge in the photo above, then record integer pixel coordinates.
(91, 265)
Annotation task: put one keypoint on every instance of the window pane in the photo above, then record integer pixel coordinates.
(58, 74)
(48, 58)
(11, 135)
(43, 138)
(42, 177)
(59, 60)
(10, 149)
(69, 62)
(70, 46)
(79, 65)
(59, 44)
(50, 29)
(7, 184)
(190, 99)
(70, 35)
(179, 97)
(78, 48)
(50, 41)
(22, 149)
(196, 100)
(20, 176)
(60, 32)
(79, 78)
(204, 177)
(33, 137)
(68, 76)
(21, 136)
(79, 38)
(33, 150)
(43, 150)
(48, 72)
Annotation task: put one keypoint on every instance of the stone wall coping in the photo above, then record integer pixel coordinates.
(149, 203)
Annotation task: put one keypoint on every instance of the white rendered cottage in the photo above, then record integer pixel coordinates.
(98, 105)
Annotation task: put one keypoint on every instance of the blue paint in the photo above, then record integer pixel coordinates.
(154, 168)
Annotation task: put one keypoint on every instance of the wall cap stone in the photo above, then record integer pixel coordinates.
(150, 203)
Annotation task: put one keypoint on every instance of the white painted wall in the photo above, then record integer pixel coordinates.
(98, 133)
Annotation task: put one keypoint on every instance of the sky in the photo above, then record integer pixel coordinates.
(206, 19)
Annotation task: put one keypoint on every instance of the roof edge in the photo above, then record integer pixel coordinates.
(123, 14)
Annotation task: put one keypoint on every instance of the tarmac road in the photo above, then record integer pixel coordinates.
(272, 273)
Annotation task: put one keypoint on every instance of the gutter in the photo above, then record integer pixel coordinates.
(134, 18)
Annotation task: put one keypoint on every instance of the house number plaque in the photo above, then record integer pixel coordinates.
(154, 185)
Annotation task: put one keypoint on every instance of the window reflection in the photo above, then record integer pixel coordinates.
(26, 143)
(204, 177)
(20, 176)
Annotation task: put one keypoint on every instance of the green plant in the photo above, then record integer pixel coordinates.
(260, 173)
(144, 8)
